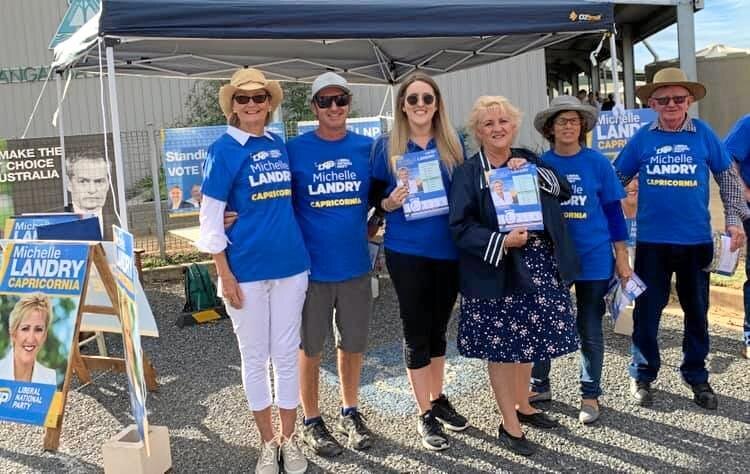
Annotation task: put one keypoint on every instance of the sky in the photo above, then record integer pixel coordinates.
(721, 21)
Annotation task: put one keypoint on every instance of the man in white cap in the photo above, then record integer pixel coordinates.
(673, 157)
(330, 184)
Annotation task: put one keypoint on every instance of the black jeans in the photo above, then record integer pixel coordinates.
(426, 289)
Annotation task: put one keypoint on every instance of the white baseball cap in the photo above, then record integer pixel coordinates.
(329, 79)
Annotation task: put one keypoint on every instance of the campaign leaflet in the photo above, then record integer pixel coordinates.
(618, 297)
(515, 195)
(724, 261)
(40, 292)
(24, 227)
(125, 275)
(419, 172)
(614, 129)
(183, 153)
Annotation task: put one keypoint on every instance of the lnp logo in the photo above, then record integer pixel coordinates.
(5, 394)
(79, 12)
(260, 156)
(575, 16)
(326, 165)
(663, 150)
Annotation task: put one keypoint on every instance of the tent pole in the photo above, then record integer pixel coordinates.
(686, 44)
(615, 78)
(628, 66)
(119, 167)
(61, 131)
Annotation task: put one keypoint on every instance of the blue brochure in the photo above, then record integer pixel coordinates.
(515, 195)
(420, 173)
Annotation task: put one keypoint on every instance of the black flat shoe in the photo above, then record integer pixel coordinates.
(538, 420)
(704, 396)
(520, 446)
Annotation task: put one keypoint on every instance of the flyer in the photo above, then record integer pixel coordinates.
(515, 195)
(420, 173)
(618, 297)
(125, 275)
(40, 293)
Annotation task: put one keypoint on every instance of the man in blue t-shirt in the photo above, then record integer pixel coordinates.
(330, 184)
(673, 157)
(738, 146)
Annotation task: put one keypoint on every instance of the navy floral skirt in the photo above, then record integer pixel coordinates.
(522, 327)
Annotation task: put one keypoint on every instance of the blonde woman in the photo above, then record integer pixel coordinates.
(515, 307)
(420, 254)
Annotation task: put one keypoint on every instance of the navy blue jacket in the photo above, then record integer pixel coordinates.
(486, 271)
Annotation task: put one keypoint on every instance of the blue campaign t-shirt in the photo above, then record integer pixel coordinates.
(737, 143)
(330, 183)
(632, 226)
(428, 237)
(673, 182)
(594, 184)
(255, 181)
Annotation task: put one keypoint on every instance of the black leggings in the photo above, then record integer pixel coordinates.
(426, 290)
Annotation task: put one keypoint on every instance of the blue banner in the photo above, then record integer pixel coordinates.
(24, 227)
(40, 291)
(367, 126)
(183, 152)
(613, 129)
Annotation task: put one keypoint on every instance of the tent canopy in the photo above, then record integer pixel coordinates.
(367, 41)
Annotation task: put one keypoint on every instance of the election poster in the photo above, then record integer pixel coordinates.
(25, 227)
(515, 195)
(368, 126)
(31, 177)
(183, 153)
(614, 129)
(420, 173)
(125, 275)
(40, 293)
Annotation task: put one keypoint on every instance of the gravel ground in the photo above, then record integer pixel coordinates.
(202, 403)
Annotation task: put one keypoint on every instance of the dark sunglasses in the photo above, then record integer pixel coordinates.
(413, 99)
(244, 99)
(677, 99)
(325, 101)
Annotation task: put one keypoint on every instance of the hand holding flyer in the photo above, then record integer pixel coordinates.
(419, 173)
(618, 297)
(515, 195)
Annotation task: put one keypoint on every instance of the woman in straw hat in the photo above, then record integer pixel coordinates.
(595, 221)
(515, 309)
(260, 258)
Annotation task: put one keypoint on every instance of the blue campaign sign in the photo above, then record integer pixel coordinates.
(79, 12)
(613, 129)
(40, 292)
(369, 126)
(24, 227)
(124, 261)
(183, 152)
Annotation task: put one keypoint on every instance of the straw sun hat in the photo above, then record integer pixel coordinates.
(670, 76)
(249, 80)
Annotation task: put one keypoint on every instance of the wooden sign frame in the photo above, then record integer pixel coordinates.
(82, 365)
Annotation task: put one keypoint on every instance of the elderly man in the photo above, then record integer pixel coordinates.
(673, 157)
(738, 146)
(331, 180)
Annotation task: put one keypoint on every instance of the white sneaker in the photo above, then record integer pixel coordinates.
(292, 457)
(268, 461)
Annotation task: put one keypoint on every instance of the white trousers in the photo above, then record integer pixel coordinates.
(268, 328)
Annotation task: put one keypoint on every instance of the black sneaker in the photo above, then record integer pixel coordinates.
(520, 445)
(538, 420)
(353, 426)
(448, 416)
(704, 396)
(431, 431)
(317, 437)
(641, 392)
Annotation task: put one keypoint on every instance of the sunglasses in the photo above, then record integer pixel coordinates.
(413, 99)
(562, 121)
(677, 99)
(325, 101)
(244, 99)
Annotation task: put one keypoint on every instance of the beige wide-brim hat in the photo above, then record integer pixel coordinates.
(566, 103)
(670, 76)
(249, 80)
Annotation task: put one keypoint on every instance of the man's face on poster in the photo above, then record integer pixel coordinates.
(88, 185)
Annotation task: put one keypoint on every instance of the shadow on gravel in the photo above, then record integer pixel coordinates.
(56, 462)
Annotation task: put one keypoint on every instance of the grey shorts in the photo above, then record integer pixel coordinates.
(352, 301)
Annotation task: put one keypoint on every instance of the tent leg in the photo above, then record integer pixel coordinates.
(61, 131)
(615, 78)
(628, 66)
(119, 167)
(686, 44)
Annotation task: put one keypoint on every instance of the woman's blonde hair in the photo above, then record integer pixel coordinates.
(27, 304)
(446, 138)
(486, 102)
